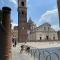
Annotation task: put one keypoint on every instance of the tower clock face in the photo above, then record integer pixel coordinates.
(23, 28)
(21, 3)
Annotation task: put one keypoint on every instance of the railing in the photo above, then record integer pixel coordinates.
(45, 54)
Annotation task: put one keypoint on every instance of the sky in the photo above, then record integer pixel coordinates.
(40, 11)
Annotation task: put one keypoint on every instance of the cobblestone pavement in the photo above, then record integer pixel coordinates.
(52, 53)
(16, 55)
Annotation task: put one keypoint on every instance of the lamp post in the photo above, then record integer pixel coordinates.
(58, 3)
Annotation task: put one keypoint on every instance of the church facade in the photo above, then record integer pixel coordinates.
(43, 33)
(28, 31)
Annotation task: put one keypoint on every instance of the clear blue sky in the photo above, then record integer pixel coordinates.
(40, 11)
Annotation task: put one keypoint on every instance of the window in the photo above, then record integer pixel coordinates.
(46, 28)
(22, 3)
(54, 38)
(40, 38)
(22, 12)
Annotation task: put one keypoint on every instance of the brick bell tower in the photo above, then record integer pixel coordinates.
(22, 21)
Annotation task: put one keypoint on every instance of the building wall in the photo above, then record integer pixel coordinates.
(15, 35)
(41, 33)
(44, 34)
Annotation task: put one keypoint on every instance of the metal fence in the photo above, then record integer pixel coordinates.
(45, 54)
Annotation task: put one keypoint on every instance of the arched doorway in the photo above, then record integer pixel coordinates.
(47, 37)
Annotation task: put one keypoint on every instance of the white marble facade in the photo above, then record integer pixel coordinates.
(43, 32)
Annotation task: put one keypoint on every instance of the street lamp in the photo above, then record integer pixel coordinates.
(58, 3)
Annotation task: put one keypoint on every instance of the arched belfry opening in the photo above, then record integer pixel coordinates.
(22, 3)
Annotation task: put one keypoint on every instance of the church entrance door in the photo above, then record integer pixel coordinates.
(40, 38)
(47, 37)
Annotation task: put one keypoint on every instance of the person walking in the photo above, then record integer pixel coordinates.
(28, 50)
(22, 48)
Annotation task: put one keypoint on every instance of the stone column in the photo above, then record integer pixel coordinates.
(6, 24)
